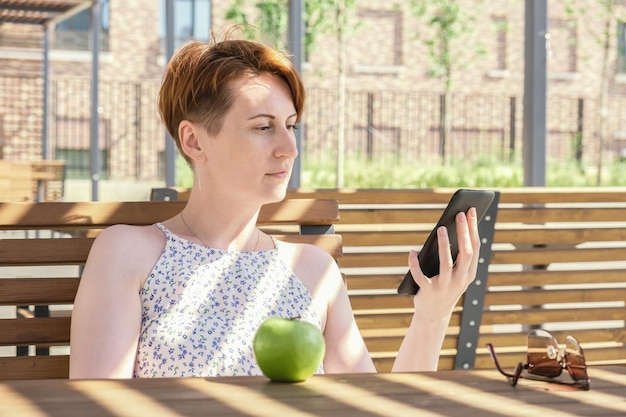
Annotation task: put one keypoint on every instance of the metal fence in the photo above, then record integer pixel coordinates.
(406, 125)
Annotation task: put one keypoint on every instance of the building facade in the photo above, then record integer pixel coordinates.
(394, 90)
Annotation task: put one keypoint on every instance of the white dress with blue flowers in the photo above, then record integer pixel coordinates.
(201, 308)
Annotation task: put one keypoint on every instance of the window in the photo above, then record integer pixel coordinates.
(500, 27)
(73, 33)
(379, 45)
(621, 47)
(192, 20)
(562, 46)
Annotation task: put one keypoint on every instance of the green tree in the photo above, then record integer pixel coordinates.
(605, 36)
(271, 20)
(449, 33)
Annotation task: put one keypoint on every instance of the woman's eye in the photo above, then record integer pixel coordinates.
(292, 127)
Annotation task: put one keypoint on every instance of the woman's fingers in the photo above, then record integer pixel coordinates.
(474, 237)
(464, 241)
(414, 265)
(468, 241)
(445, 256)
(440, 294)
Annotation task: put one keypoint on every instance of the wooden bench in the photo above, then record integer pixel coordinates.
(44, 245)
(557, 261)
(16, 181)
(23, 181)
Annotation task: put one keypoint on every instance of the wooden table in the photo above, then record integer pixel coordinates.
(442, 394)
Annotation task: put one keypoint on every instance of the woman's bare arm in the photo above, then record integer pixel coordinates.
(106, 318)
(438, 296)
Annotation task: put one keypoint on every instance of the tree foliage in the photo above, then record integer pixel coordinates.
(448, 34)
(271, 19)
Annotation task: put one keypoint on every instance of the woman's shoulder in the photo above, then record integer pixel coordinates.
(123, 235)
(310, 263)
(130, 248)
(305, 252)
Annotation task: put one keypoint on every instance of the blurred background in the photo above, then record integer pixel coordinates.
(400, 93)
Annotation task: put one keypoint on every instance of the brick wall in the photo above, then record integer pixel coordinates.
(385, 52)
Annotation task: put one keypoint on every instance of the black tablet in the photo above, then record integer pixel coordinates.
(462, 200)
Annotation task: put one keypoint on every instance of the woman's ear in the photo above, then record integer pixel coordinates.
(188, 134)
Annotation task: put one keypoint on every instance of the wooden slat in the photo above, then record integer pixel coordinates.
(569, 214)
(534, 256)
(378, 196)
(390, 216)
(16, 252)
(547, 195)
(387, 238)
(374, 281)
(16, 181)
(537, 235)
(44, 251)
(543, 296)
(383, 301)
(306, 212)
(391, 318)
(543, 235)
(526, 297)
(38, 291)
(583, 336)
(34, 367)
(542, 316)
(40, 330)
(374, 259)
(59, 215)
(522, 195)
(539, 277)
(546, 256)
(388, 318)
(527, 278)
(522, 215)
(331, 243)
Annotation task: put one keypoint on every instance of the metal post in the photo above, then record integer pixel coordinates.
(535, 68)
(296, 47)
(94, 132)
(170, 150)
(46, 92)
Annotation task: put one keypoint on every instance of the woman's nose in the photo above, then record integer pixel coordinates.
(287, 146)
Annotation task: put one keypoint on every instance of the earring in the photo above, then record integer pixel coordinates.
(200, 158)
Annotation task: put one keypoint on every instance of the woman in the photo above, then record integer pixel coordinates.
(185, 296)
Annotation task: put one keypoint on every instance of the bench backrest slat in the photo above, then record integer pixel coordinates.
(102, 214)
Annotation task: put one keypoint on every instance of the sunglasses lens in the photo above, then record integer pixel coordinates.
(575, 359)
(543, 354)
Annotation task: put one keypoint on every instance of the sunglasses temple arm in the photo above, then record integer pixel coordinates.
(492, 352)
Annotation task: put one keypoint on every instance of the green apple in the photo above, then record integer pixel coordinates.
(288, 350)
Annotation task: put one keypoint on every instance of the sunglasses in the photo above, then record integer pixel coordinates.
(546, 360)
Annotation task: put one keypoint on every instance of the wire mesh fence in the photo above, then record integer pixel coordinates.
(404, 124)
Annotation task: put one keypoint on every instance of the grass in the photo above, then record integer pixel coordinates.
(485, 172)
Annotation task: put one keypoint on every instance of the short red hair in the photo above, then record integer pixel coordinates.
(195, 84)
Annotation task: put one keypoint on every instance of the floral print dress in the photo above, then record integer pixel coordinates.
(201, 308)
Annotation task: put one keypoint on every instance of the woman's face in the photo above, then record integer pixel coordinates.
(253, 153)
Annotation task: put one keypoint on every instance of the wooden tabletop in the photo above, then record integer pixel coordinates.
(441, 394)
